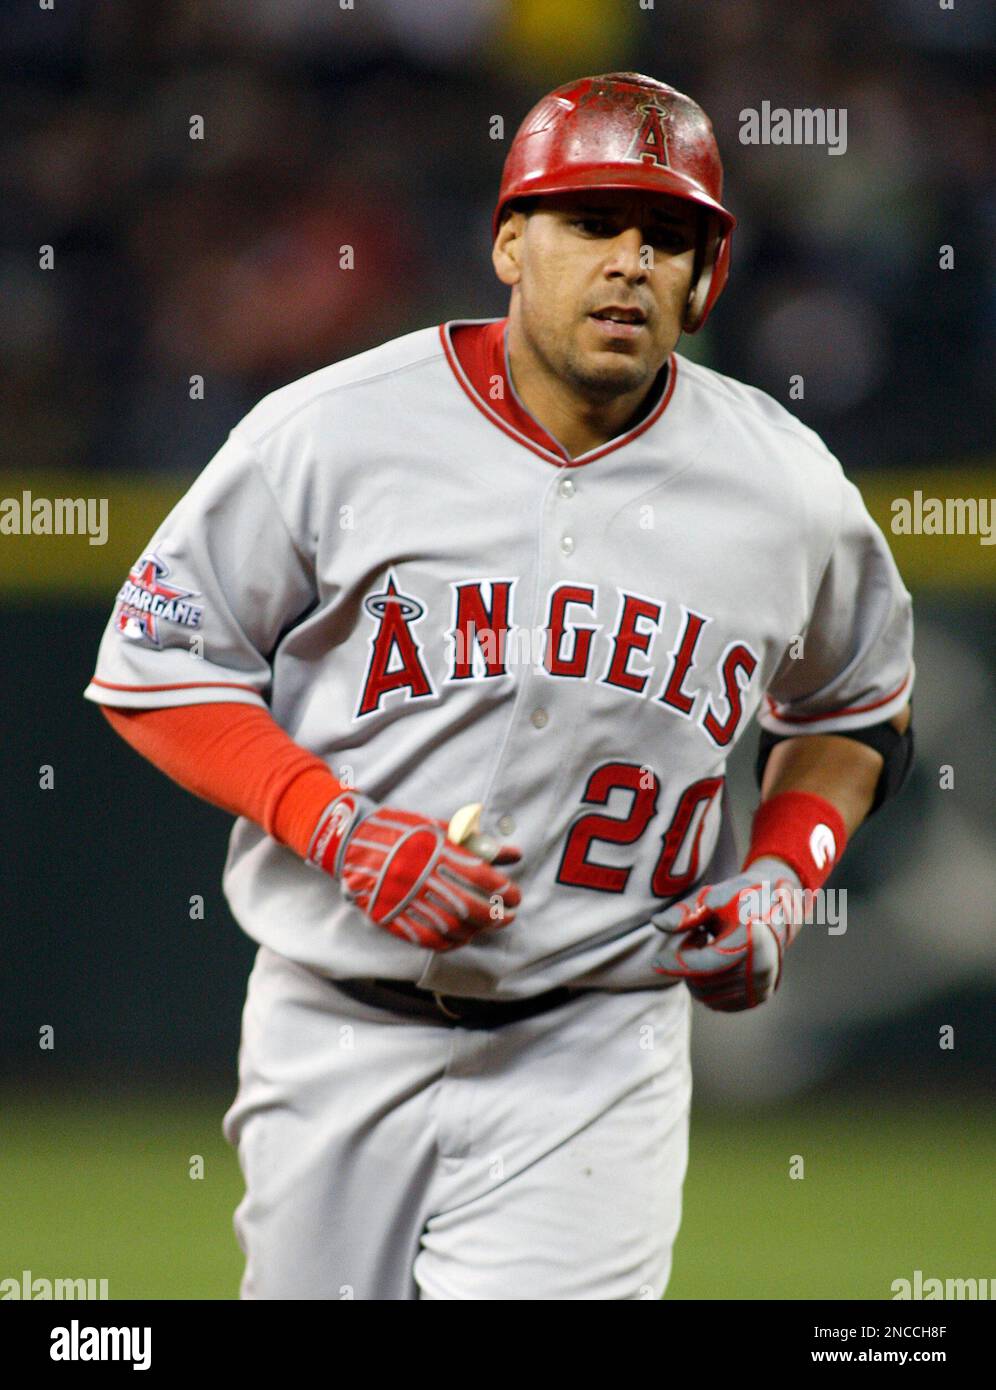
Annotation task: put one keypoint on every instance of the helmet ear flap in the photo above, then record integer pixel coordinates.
(710, 242)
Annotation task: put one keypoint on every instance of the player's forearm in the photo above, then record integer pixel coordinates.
(843, 772)
(238, 758)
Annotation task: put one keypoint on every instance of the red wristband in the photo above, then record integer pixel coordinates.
(804, 830)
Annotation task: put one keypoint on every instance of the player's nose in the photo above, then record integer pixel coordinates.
(625, 254)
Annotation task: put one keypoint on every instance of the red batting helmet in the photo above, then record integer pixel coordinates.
(624, 130)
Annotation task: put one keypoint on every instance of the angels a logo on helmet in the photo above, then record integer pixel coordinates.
(650, 141)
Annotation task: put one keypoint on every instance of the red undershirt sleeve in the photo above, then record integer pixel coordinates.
(237, 757)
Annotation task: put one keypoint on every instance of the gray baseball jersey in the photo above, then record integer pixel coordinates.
(448, 613)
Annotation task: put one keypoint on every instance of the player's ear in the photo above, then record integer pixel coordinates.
(507, 250)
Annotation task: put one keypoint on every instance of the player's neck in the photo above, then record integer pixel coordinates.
(578, 423)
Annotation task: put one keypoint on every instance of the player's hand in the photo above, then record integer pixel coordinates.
(400, 870)
(728, 941)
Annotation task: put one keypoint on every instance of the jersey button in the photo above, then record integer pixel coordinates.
(567, 544)
(566, 487)
(539, 718)
(506, 824)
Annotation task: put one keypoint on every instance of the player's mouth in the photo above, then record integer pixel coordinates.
(614, 321)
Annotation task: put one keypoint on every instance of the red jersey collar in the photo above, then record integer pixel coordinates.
(477, 354)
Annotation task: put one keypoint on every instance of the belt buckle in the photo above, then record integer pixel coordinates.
(438, 1000)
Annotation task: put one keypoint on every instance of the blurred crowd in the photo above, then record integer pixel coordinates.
(370, 124)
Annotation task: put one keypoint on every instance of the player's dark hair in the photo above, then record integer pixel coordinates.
(526, 205)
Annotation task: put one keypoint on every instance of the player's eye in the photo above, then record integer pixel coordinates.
(594, 226)
(672, 238)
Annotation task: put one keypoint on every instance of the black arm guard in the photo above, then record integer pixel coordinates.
(896, 749)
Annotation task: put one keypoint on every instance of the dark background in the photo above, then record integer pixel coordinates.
(372, 127)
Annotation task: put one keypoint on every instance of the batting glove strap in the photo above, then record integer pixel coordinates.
(335, 825)
(804, 830)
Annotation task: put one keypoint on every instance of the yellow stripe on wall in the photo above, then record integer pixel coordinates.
(68, 566)
(944, 562)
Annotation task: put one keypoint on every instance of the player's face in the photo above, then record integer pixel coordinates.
(603, 280)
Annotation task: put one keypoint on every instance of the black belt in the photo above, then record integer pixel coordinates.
(451, 1010)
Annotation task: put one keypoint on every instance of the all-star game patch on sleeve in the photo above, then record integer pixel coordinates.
(200, 611)
(853, 665)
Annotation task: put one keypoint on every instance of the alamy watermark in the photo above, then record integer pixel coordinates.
(28, 515)
(507, 648)
(930, 1288)
(943, 516)
(84, 1343)
(802, 125)
(821, 907)
(28, 1286)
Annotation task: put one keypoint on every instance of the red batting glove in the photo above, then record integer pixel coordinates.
(400, 870)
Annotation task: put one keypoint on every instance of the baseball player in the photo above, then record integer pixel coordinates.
(464, 630)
